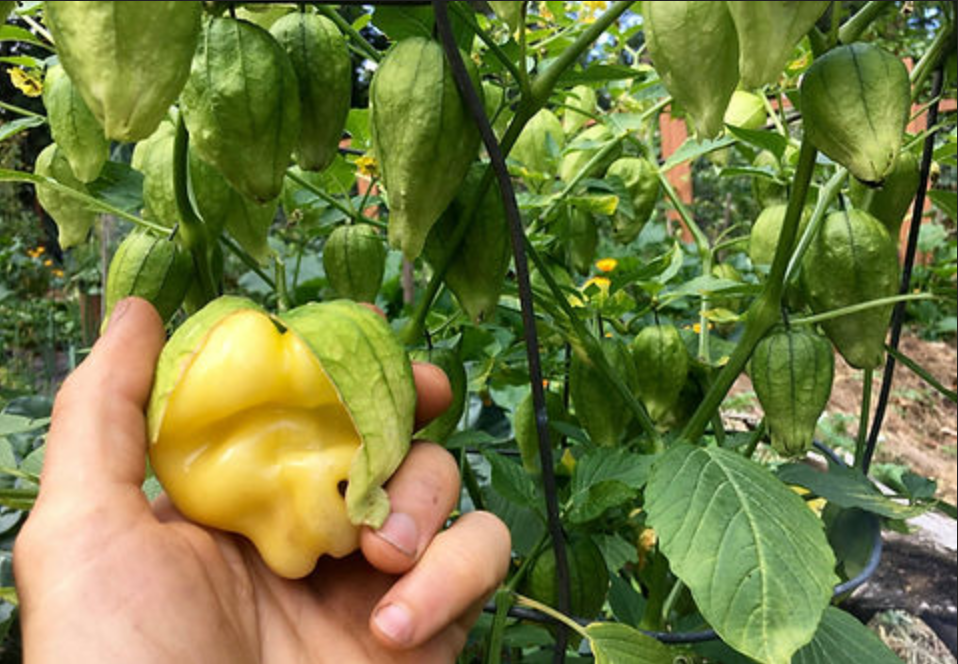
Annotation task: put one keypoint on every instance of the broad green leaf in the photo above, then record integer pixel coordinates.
(8, 594)
(615, 643)
(8, 460)
(12, 424)
(841, 639)
(598, 204)
(402, 22)
(511, 481)
(852, 535)
(626, 602)
(754, 557)
(33, 463)
(603, 464)
(599, 497)
(946, 201)
(15, 33)
(120, 186)
(596, 73)
(847, 487)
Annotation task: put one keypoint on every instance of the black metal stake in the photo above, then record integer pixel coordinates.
(474, 103)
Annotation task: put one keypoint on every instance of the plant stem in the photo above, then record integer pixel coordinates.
(247, 260)
(943, 42)
(522, 600)
(860, 306)
(282, 294)
(490, 43)
(862, 436)
(754, 440)
(767, 307)
(670, 600)
(857, 24)
(21, 111)
(350, 31)
(825, 197)
(922, 373)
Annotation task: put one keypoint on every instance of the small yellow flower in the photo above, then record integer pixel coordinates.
(545, 13)
(602, 283)
(595, 5)
(40, 250)
(27, 82)
(606, 264)
(367, 166)
(58, 273)
(697, 327)
(48, 263)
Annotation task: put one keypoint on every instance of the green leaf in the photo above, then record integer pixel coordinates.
(18, 499)
(33, 463)
(9, 595)
(693, 149)
(13, 424)
(20, 124)
(754, 557)
(841, 639)
(15, 33)
(615, 643)
(852, 535)
(597, 204)
(595, 73)
(946, 201)
(599, 497)
(763, 140)
(511, 481)
(603, 464)
(847, 487)
(403, 22)
(120, 186)
(626, 602)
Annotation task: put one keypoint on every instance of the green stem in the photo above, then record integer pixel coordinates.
(247, 260)
(860, 306)
(603, 152)
(346, 28)
(772, 113)
(862, 436)
(766, 309)
(546, 81)
(332, 200)
(922, 373)
(494, 48)
(671, 599)
(943, 43)
(21, 111)
(282, 294)
(754, 440)
(856, 25)
(192, 230)
(522, 600)
(826, 195)
(504, 601)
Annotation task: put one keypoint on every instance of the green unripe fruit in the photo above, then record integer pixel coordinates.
(588, 578)
(745, 110)
(476, 272)
(423, 137)
(152, 267)
(641, 180)
(792, 371)
(527, 434)
(73, 219)
(855, 105)
(694, 49)
(763, 238)
(323, 68)
(853, 259)
(767, 35)
(600, 408)
(355, 259)
(890, 202)
(580, 238)
(447, 359)
(73, 126)
(129, 60)
(540, 143)
(661, 368)
(241, 106)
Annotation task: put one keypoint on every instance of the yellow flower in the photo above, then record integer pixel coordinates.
(591, 7)
(47, 263)
(27, 82)
(367, 166)
(58, 273)
(697, 327)
(606, 264)
(545, 13)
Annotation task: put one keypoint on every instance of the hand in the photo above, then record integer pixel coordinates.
(104, 576)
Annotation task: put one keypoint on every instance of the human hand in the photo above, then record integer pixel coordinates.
(105, 576)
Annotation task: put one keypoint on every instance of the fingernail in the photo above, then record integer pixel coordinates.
(118, 311)
(395, 623)
(401, 532)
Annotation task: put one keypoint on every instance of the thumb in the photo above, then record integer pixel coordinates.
(97, 440)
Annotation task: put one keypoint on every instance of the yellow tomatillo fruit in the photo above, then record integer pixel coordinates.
(282, 428)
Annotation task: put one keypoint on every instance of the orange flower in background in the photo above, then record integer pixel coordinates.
(606, 264)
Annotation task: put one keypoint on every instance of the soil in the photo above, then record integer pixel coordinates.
(919, 428)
